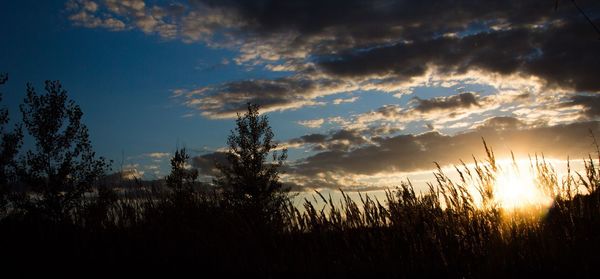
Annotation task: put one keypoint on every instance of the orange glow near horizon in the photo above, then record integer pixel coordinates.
(515, 187)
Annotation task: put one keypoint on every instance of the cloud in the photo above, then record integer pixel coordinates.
(313, 123)
(398, 38)
(347, 100)
(409, 153)
(339, 46)
(466, 110)
(131, 172)
(158, 155)
(84, 18)
(313, 138)
(503, 123)
(228, 99)
(541, 64)
(462, 100)
(119, 15)
(590, 104)
(369, 163)
(206, 163)
(337, 140)
(543, 52)
(437, 111)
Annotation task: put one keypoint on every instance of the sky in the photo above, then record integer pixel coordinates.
(362, 93)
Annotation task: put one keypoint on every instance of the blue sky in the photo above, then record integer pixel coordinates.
(122, 81)
(154, 75)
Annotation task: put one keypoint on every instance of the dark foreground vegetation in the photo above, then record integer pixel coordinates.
(60, 213)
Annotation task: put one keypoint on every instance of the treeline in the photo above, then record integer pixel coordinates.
(60, 214)
(60, 175)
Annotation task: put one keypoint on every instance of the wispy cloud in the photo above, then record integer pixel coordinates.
(347, 100)
(313, 123)
(158, 155)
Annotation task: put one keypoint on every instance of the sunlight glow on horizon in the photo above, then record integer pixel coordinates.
(516, 187)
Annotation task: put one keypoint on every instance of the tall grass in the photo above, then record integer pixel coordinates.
(455, 228)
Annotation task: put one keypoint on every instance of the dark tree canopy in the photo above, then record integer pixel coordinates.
(62, 166)
(10, 142)
(250, 178)
(181, 179)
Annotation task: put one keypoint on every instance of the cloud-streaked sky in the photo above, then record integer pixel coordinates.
(353, 89)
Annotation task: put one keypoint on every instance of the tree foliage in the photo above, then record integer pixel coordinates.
(62, 166)
(250, 179)
(10, 142)
(182, 178)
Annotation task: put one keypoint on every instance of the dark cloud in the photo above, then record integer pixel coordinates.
(406, 153)
(359, 22)
(313, 138)
(338, 140)
(353, 137)
(206, 163)
(225, 100)
(503, 123)
(309, 139)
(553, 53)
(590, 104)
(336, 167)
(333, 45)
(462, 100)
(437, 109)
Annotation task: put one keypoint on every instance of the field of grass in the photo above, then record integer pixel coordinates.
(450, 231)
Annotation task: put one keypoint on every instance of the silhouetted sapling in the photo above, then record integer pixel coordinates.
(249, 180)
(182, 178)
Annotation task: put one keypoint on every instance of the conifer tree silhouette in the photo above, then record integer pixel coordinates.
(250, 180)
(181, 179)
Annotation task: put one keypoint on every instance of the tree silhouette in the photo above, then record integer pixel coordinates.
(62, 166)
(249, 180)
(10, 142)
(181, 179)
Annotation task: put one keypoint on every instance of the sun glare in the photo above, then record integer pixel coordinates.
(516, 188)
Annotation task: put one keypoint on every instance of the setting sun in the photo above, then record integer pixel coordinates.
(439, 138)
(516, 188)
